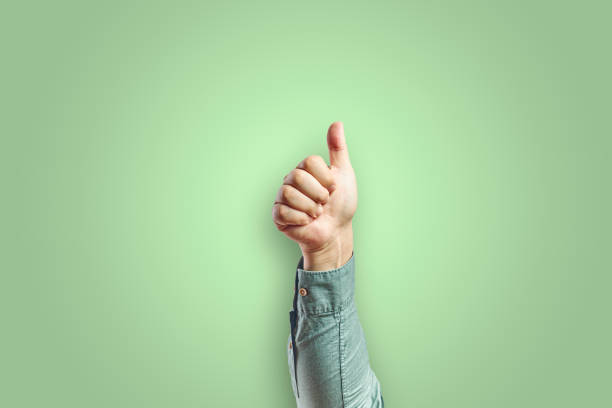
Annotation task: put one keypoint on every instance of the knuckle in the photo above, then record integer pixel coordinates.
(311, 161)
(298, 176)
(324, 195)
(302, 217)
(314, 208)
(285, 192)
(282, 212)
(276, 211)
(288, 179)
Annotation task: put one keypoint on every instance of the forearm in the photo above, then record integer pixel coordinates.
(327, 352)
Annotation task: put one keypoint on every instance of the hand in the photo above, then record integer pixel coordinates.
(316, 203)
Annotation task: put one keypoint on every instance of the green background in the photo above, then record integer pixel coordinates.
(142, 145)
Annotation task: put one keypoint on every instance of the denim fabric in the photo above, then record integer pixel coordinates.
(327, 355)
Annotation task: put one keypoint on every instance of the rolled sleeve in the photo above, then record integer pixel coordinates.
(328, 291)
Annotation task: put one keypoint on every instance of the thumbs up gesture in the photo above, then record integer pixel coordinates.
(316, 203)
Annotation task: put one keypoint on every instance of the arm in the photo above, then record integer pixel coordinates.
(328, 358)
(327, 354)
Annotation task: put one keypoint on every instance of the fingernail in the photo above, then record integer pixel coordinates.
(332, 188)
(319, 210)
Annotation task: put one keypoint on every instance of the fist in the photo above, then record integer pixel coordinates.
(315, 204)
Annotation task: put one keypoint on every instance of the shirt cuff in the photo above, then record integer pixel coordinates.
(321, 292)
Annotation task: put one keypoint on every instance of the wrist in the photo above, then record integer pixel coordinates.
(333, 254)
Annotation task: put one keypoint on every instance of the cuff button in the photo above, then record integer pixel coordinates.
(303, 292)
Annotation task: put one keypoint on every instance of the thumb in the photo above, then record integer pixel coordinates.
(338, 152)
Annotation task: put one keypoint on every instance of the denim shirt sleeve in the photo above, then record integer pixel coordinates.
(326, 350)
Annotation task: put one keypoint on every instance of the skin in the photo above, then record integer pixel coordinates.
(316, 203)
